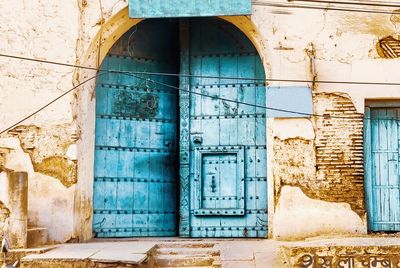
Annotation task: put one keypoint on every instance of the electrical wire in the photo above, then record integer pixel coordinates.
(285, 5)
(375, 4)
(49, 103)
(204, 76)
(325, 116)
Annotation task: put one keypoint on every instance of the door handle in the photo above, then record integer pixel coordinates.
(213, 184)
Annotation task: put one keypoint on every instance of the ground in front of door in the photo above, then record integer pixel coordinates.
(236, 253)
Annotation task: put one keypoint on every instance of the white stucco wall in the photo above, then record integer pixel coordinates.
(68, 31)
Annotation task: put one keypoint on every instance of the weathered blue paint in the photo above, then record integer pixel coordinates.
(184, 8)
(298, 99)
(135, 180)
(184, 122)
(382, 177)
(228, 180)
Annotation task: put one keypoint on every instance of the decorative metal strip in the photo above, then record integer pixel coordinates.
(218, 55)
(137, 88)
(256, 179)
(219, 162)
(126, 179)
(227, 85)
(219, 212)
(137, 229)
(184, 130)
(232, 228)
(114, 211)
(204, 117)
(127, 56)
(108, 116)
(221, 198)
(249, 211)
(226, 147)
(133, 149)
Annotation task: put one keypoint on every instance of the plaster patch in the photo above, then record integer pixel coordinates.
(4, 215)
(294, 164)
(298, 216)
(13, 157)
(50, 205)
(293, 128)
(71, 152)
(59, 167)
(47, 148)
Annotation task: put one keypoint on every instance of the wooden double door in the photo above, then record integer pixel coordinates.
(180, 145)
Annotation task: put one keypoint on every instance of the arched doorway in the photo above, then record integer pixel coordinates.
(212, 118)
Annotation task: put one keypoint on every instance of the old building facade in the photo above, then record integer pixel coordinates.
(282, 123)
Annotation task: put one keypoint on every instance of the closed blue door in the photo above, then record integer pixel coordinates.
(135, 183)
(382, 168)
(228, 173)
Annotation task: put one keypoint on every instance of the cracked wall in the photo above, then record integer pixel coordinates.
(51, 148)
(47, 148)
(4, 214)
(330, 167)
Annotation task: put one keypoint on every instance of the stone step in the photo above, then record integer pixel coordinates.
(17, 254)
(186, 245)
(185, 266)
(187, 251)
(183, 260)
(37, 236)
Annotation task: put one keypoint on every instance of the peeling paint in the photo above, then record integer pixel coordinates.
(136, 105)
(339, 151)
(47, 148)
(4, 215)
(298, 216)
(58, 167)
(294, 164)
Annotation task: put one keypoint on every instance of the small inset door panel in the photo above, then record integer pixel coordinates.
(219, 182)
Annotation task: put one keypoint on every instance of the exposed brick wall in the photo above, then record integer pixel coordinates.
(331, 167)
(339, 151)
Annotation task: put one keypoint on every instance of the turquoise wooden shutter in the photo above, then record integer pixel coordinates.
(382, 169)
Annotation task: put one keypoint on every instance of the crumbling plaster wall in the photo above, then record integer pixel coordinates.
(43, 145)
(317, 165)
(82, 31)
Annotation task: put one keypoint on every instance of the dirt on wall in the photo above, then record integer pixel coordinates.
(4, 214)
(47, 148)
(330, 168)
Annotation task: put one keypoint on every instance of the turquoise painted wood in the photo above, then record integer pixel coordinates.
(228, 179)
(135, 183)
(382, 168)
(184, 8)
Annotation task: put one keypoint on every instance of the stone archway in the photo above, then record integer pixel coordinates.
(112, 31)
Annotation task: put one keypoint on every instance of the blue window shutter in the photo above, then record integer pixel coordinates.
(289, 102)
(187, 8)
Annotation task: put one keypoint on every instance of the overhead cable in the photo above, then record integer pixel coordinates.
(363, 3)
(319, 7)
(49, 103)
(204, 76)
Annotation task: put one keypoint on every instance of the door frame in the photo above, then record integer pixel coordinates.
(368, 176)
(84, 111)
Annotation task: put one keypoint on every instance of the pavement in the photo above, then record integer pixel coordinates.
(235, 253)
